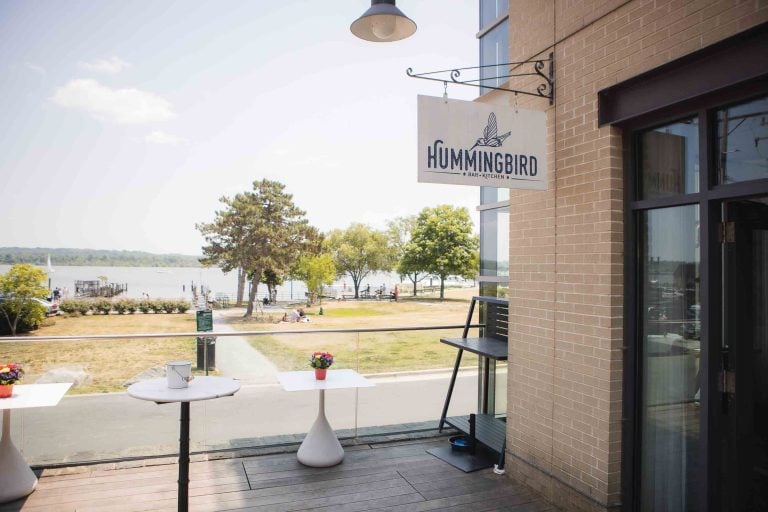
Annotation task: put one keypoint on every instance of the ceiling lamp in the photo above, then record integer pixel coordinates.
(382, 23)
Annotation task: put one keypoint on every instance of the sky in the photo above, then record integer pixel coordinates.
(124, 122)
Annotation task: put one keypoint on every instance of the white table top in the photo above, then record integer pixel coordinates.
(200, 388)
(335, 379)
(35, 395)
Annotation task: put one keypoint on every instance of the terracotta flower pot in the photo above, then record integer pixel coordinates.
(320, 373)
(6, 390)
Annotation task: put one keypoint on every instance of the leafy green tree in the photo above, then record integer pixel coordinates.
(442, 243)
(316, 271)
(359, 250)
(399, 232)
(19, 286)
(275, 233)
(272, 279)
(225, 243)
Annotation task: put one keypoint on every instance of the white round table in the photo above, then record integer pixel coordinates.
(200, 388)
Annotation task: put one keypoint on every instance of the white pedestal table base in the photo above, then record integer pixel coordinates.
(320, 448)
(16, 477)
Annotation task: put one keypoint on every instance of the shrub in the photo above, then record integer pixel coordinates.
(183, 306)
(75, 306)
(102, 306)
(157, 305)
(84, 306)
(169, 306)
(131, 306)
(119, 307)
(69, 306)
(145, 306)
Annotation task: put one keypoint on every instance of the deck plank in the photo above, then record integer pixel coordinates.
(399, 477)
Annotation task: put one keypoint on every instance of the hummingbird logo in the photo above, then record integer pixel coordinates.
(490, 136)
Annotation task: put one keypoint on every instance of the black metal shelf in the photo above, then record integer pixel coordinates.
(489, 430)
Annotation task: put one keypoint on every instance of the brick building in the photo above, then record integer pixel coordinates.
(637, 283)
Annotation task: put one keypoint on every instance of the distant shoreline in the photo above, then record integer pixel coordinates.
(94, 258)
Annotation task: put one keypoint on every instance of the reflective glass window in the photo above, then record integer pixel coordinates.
(489, 195)
(742, 142)
(669, 320)
(490, 10)
(494, 49)
(669, 160)
(494, 242)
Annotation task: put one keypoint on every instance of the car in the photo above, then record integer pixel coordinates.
(51, 308)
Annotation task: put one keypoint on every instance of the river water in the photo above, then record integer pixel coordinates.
(176, 282)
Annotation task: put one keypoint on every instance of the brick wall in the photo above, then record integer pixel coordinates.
(566, 244)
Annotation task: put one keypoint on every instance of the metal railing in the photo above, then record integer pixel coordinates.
(99, 427)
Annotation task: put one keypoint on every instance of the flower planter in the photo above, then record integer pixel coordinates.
(6, 390)
(320, 373)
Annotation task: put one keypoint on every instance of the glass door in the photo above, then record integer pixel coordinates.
(744, 354)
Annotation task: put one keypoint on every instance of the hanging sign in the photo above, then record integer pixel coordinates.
(479, 144)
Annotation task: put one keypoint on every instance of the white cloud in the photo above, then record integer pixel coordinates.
(122, 106)
(161, 137)
(37, 69)
(111, 65)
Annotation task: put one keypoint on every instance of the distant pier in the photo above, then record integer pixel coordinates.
(99, 289)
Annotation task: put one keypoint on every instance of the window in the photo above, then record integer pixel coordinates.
(494, 242)
(490, 10)
(494, 218)
(669, 160)
(688, 185)
(742, 142)
(494, 43)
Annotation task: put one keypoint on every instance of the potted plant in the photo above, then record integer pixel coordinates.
(10, 374)
(320, 361)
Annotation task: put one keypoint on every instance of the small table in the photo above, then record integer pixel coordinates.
(321, 448)
(16, 477)
(200, 388)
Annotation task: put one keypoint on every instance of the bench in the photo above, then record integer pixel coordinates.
(490, 346)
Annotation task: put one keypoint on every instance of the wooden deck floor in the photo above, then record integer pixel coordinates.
(384, 477)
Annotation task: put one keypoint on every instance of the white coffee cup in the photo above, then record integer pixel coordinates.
(179, 374)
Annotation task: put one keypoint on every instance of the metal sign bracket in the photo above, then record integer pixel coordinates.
(546, 89)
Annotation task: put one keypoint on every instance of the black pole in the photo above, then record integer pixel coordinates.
(183, 498)
(450, 390)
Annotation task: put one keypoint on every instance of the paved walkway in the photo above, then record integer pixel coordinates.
(236, 358)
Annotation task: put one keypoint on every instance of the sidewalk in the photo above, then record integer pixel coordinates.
(236, 358)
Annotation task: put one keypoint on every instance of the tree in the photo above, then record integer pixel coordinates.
(316, 271)
(259, 231)
(276, 233)
(442, 243)
(225, 239)
(272, 279)
(399, 232)
(358, 251)
(19, 286)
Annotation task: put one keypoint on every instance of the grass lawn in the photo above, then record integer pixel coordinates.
(367, 352)
(109, 362)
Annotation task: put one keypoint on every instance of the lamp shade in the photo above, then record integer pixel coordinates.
(383, 22)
